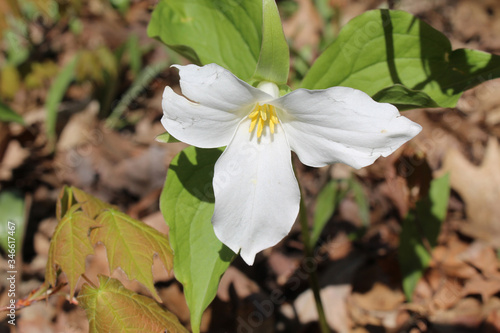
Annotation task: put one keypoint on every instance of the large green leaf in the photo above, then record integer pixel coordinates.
(274, 59)
(187, 203)
(111, 307)
(420, 231)
(382, 48)
(225, 32)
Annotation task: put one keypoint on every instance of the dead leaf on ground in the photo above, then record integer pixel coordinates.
(305, 26)
(467, 312)
(379, 306)
(482, 286)
(448, 259)
(243, 286)
(479, 186)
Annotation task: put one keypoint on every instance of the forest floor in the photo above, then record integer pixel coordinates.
(357, 259)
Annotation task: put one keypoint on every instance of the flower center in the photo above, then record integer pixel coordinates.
(261, 116)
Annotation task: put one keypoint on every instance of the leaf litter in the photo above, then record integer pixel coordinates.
(357, 265)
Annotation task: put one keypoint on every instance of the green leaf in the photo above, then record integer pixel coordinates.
(89, 204)
(382, 48)
(64, 202)
(111, 307)
(56, 93)
(131, 245)
(225, 32)
(12, 215)
(420, 232)
(404, 98)
(187, 203)
(9, 115)
(166, 138)
(325, 207)
(274, 59)
(69, 247)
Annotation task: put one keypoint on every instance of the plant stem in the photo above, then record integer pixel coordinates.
(88, 281)
(313, 276)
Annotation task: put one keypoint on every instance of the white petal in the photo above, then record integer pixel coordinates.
(256, 194)
(341, 125)
(196, 124)
(216, 87)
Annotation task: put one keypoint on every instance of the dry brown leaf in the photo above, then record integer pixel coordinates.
(283, 266)
(379, 306)
(14, 157)
(467, 313)
(334, 299)
(243, 286)
(482, 286)
(305, 26)
(477, 20)
(481, 256)
(79, 129)
(492, 312)
(448, 258)
(479, 186)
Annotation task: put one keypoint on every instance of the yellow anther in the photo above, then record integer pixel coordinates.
(261, 116)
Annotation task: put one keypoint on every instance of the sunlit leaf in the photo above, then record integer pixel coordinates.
(89, 204)
(131, 245)
(187, 203)
(420, 232)
(69, 247)
(382, 48)
(225, 32)
(64, 202)
(111, 307)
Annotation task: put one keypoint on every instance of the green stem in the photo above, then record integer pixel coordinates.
(313, 276)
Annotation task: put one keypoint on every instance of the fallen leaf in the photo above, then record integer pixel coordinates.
(467, 313)
(484, 287)
(243, 286)
(479, 186)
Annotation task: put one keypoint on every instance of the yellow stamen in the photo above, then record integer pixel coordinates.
(261, 116)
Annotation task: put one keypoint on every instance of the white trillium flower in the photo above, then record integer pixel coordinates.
(256, 193)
